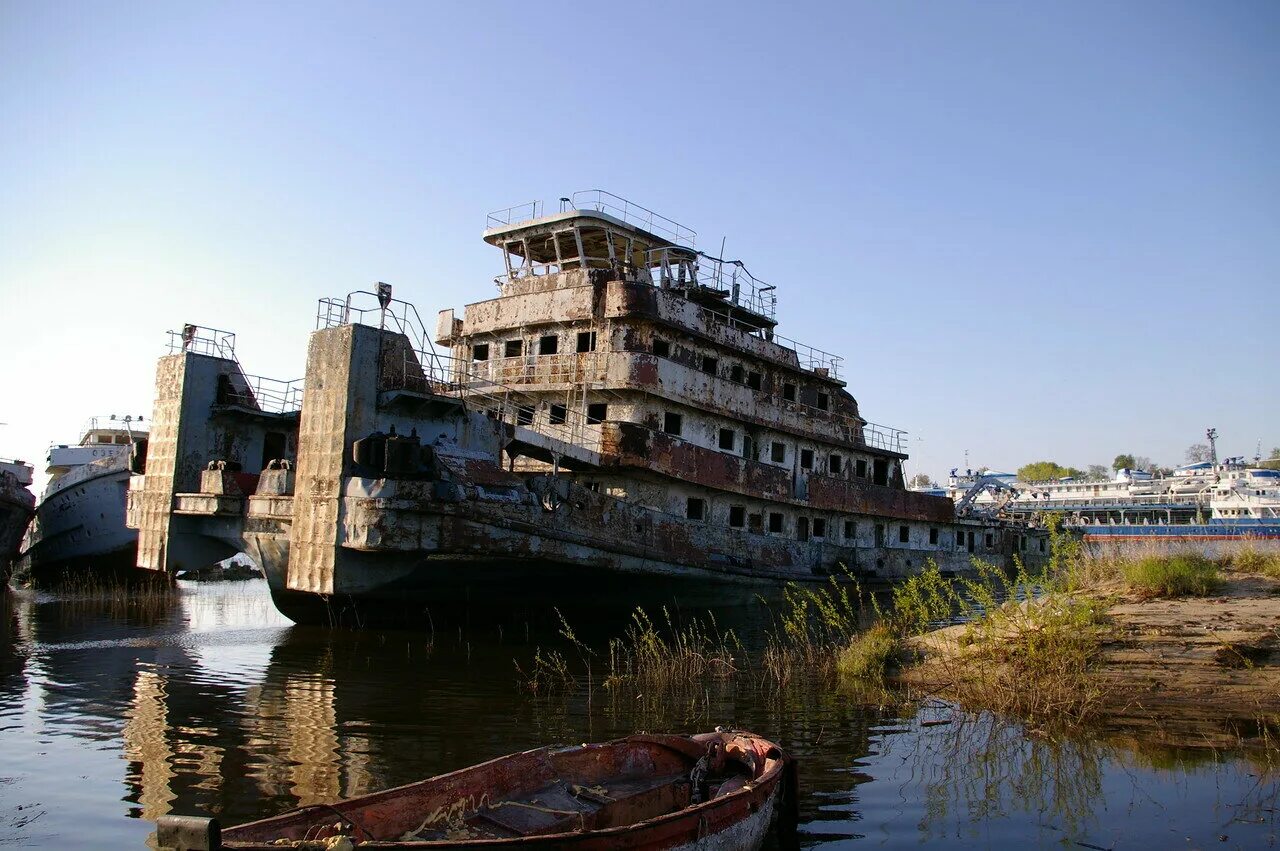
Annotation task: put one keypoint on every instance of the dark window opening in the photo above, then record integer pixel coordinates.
(594, 487)
(880, 472)
(775, 522)
(549, 345)
(753, 380)
(806, 459)
(710, 364)
(755, 522)
(836, 460)
(824, 402)
(586, 341)
(737, 373)
(748, 447)
(789, 392)
(850, 530)
(1042, 545)
(819, 527)
(904, 534)
(879, 534)
(802, 528)
(727, 439)
(596, 413)
(737, 516)
(933, 536)
(672, 423)
(959, 538)
(1022, 543)
(558, 414)
(273, 447)
(778, 452)
(661, 347)
(861, 469)
(513, 348)
(695, 508)
(480, 351)
(524, 415)
(991, 541)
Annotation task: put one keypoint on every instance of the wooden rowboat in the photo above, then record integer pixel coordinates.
(711, 790)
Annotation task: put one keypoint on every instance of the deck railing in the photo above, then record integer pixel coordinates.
(203, 341)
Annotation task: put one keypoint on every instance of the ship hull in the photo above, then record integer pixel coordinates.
(79, 530)
(1188, 532)
(15, 515)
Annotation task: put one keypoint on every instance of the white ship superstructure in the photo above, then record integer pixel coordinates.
(79, 523)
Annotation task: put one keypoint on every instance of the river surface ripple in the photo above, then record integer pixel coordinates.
(212, 703)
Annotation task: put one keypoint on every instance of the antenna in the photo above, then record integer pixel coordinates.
(1212, 434)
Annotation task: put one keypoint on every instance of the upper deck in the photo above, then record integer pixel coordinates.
(597, 230)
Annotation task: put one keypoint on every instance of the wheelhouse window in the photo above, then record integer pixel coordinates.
(904, 534)
(778, 452)
(806, 459)
(753, 380)
(728, 439)
(933, 536)
(557, 414)
(737, 373)
(672, 423)
(789, 392)
(661, 347)
(836, 461)
(710, 365)
(524, 415)
(775, 522)
(824, 402)
(850, 530)
(802, 528)
(861, 468)
(819, 527)
(737, 516)
(586, 341)
(513, 348)
(597, 413)
(549, 345)
(480, 351)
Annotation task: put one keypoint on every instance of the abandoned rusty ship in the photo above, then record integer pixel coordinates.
(621, 424)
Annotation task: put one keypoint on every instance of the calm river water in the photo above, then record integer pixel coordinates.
(111, 716)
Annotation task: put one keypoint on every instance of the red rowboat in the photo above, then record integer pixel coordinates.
(711, 790)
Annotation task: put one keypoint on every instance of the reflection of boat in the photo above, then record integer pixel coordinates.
(16, 507)
(720, 789)
(79, 523)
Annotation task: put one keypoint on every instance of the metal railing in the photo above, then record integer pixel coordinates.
(883, 437)
(271, 395)
(635, 215)
(525, 212)
(203, 341)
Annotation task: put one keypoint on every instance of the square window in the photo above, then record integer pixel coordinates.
(753, 380)
(596, 413)
(549, 345)
(819, 527)
(789, 392)
(775, 522)
(524, 415)
(480, 351)
(737, 516)
(824, 402)
(710, 364)
(904, 534)
(586, 341)
(513, 348)
(557, 414)
(778, 452)
(850, 530)
(836, 460)
(862, 468)
(695, 508)
(806, 459)
(672, 423)
(661, 347)
(737, 373)
(755, 522)
(727, 439)
(933, 536)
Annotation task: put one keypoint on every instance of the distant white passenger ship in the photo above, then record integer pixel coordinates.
(79, 523)
(1206, 500)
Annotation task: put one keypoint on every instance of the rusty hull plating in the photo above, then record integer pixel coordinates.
(620, 424)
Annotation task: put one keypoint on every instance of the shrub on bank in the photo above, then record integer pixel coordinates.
(1178, 575)
(869, 654)
(1250, 559)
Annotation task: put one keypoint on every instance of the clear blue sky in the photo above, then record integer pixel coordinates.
(1034, 230)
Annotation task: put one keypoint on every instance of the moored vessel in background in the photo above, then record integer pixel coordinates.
(17, 505)
(79, 525)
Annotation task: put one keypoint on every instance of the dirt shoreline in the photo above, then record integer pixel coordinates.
(1198, 671)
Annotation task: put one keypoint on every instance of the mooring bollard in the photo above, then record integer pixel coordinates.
(188, 833)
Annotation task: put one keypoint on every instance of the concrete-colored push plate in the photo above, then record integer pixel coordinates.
(188, 833)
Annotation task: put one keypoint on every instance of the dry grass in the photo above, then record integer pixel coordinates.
(1181, 575)
(1253, 558)
(870, 655)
